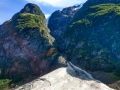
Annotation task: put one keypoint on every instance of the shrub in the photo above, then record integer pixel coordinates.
(4, 84)
(117, 71)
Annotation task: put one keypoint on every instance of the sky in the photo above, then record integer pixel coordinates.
(9, 7)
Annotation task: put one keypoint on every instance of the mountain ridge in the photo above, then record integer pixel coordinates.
(88, 36)
(58, 22)
(91, 39)
(27, 48)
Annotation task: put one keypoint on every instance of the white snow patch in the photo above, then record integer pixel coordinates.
(47, 16)
(67, 78)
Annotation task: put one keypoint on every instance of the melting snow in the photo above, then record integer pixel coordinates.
(67, 78)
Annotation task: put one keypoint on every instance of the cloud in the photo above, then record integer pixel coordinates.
(57, 3)
(47, 16)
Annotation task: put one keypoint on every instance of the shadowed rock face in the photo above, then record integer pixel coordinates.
(32, 8)
(68, 78)
(26, 47)
(91, 39)
(58, 22)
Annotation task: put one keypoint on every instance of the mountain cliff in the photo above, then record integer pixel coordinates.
(88, 36)
(91, 39)
(26, 47)
(59, 20)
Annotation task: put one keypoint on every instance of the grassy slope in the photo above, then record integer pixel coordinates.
(27, 22)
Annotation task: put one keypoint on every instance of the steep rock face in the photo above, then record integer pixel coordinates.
(89, 3)
(92, 39)
(69, 78)
(59, 20)
(30, 8)
(26, 47)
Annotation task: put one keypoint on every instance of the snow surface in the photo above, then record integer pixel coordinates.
(66, 78)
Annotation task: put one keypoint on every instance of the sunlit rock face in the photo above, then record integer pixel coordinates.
(26, 47)
(67, 78)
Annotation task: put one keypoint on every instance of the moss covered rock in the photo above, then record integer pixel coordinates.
(93, 37)
(26, 47)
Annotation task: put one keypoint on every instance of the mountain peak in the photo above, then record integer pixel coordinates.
(27, 12)
(31, 8)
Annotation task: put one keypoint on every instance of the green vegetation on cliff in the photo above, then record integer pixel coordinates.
(4, 84)
(27, 20)
(29, 23)
(94, 38)
(30, 51)
(94, 13)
